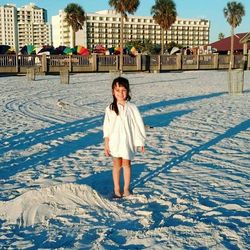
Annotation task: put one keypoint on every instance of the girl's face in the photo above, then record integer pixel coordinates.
(120, 93)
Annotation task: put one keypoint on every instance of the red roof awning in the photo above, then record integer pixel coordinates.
(225, 44)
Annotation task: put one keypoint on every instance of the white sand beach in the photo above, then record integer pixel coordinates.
(190, 188)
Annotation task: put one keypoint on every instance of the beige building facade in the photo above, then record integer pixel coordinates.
(33, 26)
(24, 25)
(103, 27)
(8, 26)
(62, 32)
(29, 25)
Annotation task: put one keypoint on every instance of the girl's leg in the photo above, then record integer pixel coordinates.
(117, 164)
(127, 176)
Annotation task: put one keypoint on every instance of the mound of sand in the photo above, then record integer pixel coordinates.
(38, 206)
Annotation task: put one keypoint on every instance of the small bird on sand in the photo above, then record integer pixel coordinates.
(61, 104)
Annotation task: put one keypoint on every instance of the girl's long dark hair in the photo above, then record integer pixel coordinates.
(121, 81)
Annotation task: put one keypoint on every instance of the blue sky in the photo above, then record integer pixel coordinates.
(211, 10)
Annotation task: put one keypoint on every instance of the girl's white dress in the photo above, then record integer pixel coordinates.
(125, 131)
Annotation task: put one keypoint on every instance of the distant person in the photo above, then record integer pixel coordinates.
(124, 134)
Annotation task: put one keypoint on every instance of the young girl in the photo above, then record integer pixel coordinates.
(124, 133)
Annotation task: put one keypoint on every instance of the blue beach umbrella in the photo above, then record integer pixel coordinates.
(4, 48)
(28, 49)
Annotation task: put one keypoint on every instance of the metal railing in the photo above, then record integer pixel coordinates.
(168, 60)
(205, 59)
(59, 61)
(27, 60)
(82, 60)
(96, 63)
(129, 60)
(224, 59)
(7, 61)
(106, 60)
(189, 60)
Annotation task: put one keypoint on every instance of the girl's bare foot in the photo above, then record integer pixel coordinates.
(117, 194)
(126, 193)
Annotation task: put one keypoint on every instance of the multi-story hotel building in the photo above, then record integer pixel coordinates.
(25, 25)
(33, 26)
(28, 25)
(62, 32)
(8, 26)
(103, 27)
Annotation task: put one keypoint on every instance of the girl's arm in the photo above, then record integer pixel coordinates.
(140, 134)
(106, 129)
(106, 146)
(106, 124)
(142, 149)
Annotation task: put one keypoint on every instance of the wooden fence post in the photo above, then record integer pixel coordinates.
(248, 60)
(94, 62)
(215, 60)
(44, 63)
(31, 74)
(138, 62)
(70, 63)
(233, 61)
(117, 62)
(159, 64)
(198, 61)
(178, 61)
(235, 81)
(64, 75)
(17, 64)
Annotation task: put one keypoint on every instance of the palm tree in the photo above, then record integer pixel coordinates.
(221, 36)
(233, 12)
(123, 7)
(75, 17)
(164, 13)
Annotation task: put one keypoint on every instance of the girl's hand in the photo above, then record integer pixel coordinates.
(106, 147)
(142, 149)
(107, 151)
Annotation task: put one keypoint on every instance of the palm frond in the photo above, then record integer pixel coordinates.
(164, 13)
(75, 16)
(233, 13)
(125, 6)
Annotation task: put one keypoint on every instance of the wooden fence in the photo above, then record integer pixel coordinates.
(102, 63)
